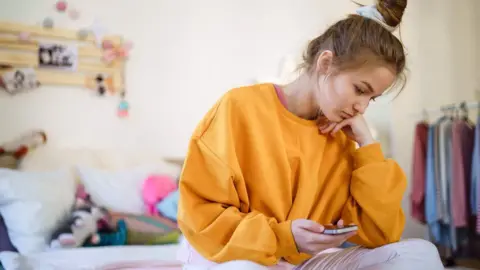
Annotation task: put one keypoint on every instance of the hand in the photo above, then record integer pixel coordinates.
(310, 239)
(355, 128)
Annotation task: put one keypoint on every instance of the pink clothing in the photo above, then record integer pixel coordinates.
(417, 196)
(414, 254)
(458, 186)
(280, 95)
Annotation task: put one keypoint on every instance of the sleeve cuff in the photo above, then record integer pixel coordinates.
(285, 241)
(368, 154)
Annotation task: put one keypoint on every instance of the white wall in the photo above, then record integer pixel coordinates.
(188, 52)
(441, 62)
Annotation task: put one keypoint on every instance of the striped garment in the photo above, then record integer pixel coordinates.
(143, 265)
(475, 176)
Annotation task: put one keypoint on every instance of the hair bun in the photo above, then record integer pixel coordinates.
(392, 11)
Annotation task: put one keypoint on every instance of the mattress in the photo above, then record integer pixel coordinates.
(98, 258)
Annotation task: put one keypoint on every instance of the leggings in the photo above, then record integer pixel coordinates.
(409, 254)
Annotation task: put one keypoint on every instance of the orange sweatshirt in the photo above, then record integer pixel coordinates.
(252, 167)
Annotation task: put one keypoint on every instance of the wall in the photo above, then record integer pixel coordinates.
(442, 71)
(187, 53)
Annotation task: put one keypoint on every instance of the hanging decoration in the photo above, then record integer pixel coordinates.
(99, 32)
(82, 34)
(73, 14)
(60, 56)
(64, 57)
(102, 84)
(48, 23)
(123, 107)
(15, 81)
(24, 36)
(61, 6)
(111, 52)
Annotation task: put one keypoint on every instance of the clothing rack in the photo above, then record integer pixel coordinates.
(454, 106)
(448, 108)
(435, 170)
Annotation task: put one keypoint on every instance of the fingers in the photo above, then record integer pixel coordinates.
(341, 125)
(328, 128)
(340, 223)
(329, 240)
(311, 226)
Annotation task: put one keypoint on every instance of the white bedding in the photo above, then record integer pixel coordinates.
(87, 258)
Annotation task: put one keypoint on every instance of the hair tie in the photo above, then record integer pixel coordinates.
(371, 12)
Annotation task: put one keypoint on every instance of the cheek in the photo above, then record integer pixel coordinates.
(340, 93)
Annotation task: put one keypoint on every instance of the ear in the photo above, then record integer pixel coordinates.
(324, 62)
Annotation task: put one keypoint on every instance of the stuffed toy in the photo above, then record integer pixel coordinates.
(12, 153)
(81, 227)
(156, 188)
(114, 238)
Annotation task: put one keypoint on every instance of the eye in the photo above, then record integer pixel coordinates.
(358, 90)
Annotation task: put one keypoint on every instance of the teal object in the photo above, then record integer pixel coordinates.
(168, 207)
(118, 238)
(123, 105)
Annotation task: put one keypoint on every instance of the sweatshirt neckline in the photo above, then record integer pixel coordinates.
(283, 109)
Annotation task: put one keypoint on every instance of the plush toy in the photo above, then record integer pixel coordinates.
(13, 152)
(115, 238)
(80, 228)
(156, 188)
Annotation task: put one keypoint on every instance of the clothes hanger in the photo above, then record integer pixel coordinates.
(464, 109)
(425, 116)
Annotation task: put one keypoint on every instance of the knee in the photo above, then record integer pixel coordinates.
(423, 250)
(239, 265)
(421, 246)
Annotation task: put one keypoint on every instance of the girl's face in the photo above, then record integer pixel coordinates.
(347, 93)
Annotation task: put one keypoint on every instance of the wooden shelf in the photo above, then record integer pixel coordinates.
(17, 53)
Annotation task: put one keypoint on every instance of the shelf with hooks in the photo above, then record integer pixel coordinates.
(72, 59)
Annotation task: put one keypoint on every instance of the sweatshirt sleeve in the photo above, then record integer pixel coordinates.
(375, 203)
(213, 209)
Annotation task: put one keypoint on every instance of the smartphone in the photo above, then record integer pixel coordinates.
(335, 230)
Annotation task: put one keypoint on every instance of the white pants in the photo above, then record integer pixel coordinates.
(411, 254)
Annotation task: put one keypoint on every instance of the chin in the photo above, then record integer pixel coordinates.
(332, 117)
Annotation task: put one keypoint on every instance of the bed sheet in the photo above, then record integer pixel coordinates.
(95, 258)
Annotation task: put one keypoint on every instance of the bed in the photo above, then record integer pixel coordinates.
(123, 257)
(110, 177)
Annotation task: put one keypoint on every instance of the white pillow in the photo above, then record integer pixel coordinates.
(120, 190)
(32, 204)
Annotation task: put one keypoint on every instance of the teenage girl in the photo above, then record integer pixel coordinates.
(270, 165)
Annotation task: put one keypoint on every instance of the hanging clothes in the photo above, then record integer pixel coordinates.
(475, 177)
(417, 196)
(431, 206)
(462, 144)
(447, 154)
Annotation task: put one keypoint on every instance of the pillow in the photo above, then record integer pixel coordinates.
(147, 229)
(120, 190)
(32, 204)
(5, 242)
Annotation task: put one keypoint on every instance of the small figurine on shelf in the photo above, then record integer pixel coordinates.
(101, 83)
(122, 109)
(112, 52)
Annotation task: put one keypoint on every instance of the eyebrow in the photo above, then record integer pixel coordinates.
(370, 88)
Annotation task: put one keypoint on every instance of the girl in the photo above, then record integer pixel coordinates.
(270, 165)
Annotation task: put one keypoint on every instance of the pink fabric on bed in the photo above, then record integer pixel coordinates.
(143, 265)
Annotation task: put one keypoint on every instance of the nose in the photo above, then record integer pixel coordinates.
(360, 107)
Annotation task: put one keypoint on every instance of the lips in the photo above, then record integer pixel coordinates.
(345, 115)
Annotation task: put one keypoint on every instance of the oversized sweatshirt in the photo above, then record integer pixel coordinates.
(253, 167)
